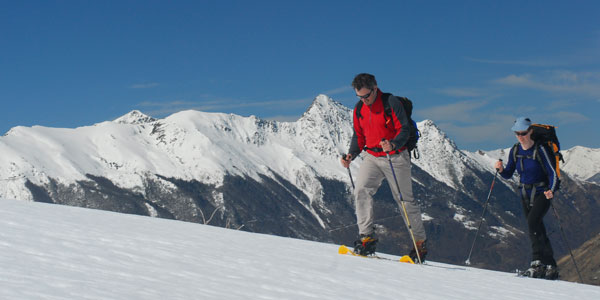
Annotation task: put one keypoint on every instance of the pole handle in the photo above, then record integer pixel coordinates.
(349, 172)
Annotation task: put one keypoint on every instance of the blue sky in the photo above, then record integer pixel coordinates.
(470, 66)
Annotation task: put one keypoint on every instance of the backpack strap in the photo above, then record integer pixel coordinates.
(387, 109)
(535, 156)
(538, 157)
(357, 109)
(385, 99)
(515, 149)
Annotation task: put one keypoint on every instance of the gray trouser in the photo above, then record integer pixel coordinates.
(370, 175)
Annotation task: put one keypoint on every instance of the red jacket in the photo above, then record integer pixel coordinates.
(374, 125)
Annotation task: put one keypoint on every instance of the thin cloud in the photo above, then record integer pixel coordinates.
(560, 104)
(233, 104)
(531, 63)
(517, 80)
(339, 90)
(144, 85)
(495, 128)
(452, 112)
(462, 92)
(582, 83)
(569, 117)
(167, 103)
(493, 131)
(472, 122)
(586, 56)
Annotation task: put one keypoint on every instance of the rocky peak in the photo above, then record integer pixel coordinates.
(134, 117)
(323, 107)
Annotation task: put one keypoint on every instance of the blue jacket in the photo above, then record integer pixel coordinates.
(532, 171)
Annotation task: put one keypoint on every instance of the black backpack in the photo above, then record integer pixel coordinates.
(544, 136)
(414, 132)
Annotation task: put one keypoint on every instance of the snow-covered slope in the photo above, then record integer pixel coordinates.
(582, 163)
(60, 252)
(441, 158)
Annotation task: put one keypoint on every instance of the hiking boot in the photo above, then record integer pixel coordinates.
(365, 245)
(536, 270)
(421, 247)
(551, 272)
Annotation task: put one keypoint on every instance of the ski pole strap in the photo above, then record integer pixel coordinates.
(532, 187)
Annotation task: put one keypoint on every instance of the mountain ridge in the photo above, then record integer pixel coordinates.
(254, 131)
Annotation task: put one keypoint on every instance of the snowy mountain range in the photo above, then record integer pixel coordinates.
(60, 252)
(281, 178)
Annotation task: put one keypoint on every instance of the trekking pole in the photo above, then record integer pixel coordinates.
(351, 181)
(468, 261)
(412, 236)
(349, 173)
(565, 240)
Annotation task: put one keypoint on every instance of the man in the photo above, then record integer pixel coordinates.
(380, 134)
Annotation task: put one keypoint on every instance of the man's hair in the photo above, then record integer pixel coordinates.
(364, 80)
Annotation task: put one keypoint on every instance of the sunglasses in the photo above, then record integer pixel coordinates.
(365, 96)
(522, 133)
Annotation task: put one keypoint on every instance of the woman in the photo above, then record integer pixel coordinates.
(538, 182)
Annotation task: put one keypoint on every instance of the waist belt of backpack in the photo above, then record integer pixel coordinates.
(525, 187)
(379, 149)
